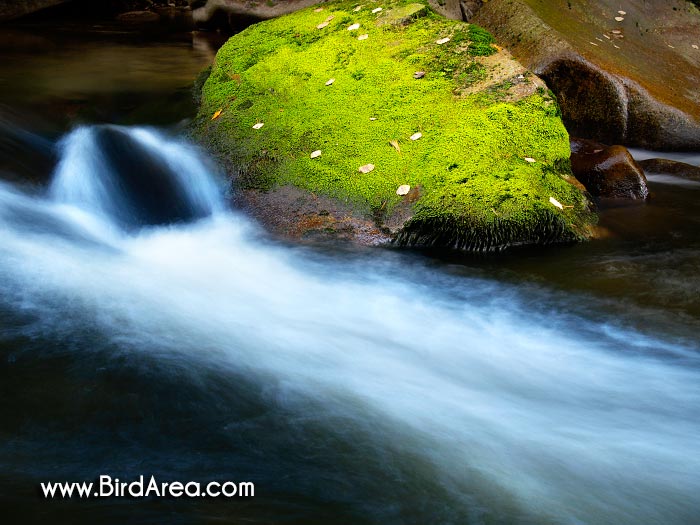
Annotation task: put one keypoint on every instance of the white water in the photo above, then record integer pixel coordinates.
(536, 416)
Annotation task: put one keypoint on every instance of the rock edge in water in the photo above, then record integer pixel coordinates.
(492, 152)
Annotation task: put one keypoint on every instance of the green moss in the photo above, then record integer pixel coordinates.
(469, 164)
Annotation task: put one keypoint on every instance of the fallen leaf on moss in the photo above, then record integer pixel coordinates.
(354, 27)
(556, 203)
(258, 125)
(403, 189)
(376, 9)
(330, 81)
(366, 168)
(316, 154)
(395, 144)
(418, 74)
(357, 8)
(530, 160)
(416, 136)
(217, 114)
(321, 25)
(363, 37)
(442, 41)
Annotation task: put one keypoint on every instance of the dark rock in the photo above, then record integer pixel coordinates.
(11, 9)
(138, 17)
(671, 167)
(608, 172)
(151, 193)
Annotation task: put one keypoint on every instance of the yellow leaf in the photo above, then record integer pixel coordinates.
(395, 144)
(217, 114)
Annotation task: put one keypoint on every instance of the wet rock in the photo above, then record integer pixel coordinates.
(11, 9)
(671, 167)
(628, 82)
(138, 17)
(608, 172)
(205, 12)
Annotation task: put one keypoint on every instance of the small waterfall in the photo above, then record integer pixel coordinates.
(134, 177)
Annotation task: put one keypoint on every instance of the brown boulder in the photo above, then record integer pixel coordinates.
(629, 81)
(671, 167)
(608, 172)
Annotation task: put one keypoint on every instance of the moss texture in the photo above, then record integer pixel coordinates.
(476, 190)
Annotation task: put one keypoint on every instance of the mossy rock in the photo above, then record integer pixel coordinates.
(481, 116)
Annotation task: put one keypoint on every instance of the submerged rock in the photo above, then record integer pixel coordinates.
(671, 167)
(608, 172)
(480, 114)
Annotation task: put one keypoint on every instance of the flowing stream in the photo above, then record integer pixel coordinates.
(146, 328)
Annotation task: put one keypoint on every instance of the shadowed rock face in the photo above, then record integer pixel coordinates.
(608, 172)
(10, 9)
(152, 194)
(631, 81)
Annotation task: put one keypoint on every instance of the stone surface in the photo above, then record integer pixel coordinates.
(11, 9)
(608, 172)
(632, 82)
(671, 167)
(480, 114)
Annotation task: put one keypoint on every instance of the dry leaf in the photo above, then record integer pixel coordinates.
(321, 25)
(619, 18)
(318, 9)
(442, 41)
(395, 144)
(403, 189)
(556, 203)
(622, 12)
(316, 154)
(330, 81)
(366, 168)
(217, 114)
(416, 136)
(530, 160)
(363, 37)
(258, 125)
(354, 27)
(418, 74)
(376, 9)
(357, 8)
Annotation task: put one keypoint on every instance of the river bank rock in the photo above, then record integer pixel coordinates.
(608, 172)
(478, 139)
(11, 9)
(206, 12)
(671, 167)
(623, 78)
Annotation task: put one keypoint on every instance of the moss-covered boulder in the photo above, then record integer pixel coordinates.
(430, 103)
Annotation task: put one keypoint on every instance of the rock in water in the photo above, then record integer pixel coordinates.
(608, 172)
(465, 172)
(671, 167)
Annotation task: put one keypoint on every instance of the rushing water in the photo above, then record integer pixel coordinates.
(147, 329)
